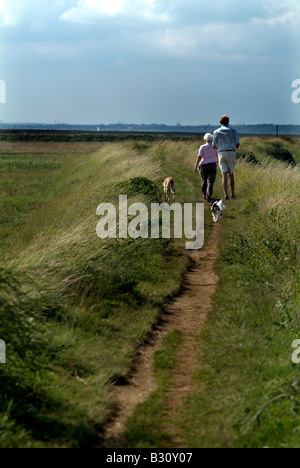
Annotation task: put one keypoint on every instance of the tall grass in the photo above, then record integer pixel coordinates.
(266, 149)
(74, 308)
(248, 386)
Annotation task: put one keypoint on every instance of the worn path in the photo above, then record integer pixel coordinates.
(187, 313)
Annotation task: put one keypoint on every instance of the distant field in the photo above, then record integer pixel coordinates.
(113, 136)
(74, 309)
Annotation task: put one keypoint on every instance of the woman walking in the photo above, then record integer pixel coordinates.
(207, 161)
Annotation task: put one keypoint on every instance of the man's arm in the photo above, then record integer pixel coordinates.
(215, 141)
(237, 139)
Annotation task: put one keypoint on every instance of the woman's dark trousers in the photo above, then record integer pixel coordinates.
(208, 173)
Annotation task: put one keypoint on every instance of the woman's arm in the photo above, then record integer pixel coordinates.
(197, 163)
(200, 156)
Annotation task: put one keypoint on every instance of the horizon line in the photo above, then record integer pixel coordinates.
(55, 124)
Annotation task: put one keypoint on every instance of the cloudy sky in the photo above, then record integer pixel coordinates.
(149, 61)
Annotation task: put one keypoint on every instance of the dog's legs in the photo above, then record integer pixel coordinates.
(166, 194)
(173, 190)
(168, 190)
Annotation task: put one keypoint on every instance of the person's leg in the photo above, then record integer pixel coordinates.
(225, 171)
(232, 185)
(211, 180)
(203, 180)
(232, 161)
(225, 184)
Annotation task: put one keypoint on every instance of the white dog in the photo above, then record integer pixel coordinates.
(217, 208)
(169, 187)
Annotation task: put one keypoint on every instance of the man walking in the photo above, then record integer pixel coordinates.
(227, 141)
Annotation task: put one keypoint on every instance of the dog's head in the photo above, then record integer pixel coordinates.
(217, 205)
(217, 208)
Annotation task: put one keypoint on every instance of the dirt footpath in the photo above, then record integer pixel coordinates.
(187, 313)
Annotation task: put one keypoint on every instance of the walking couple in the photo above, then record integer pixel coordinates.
(219, 148)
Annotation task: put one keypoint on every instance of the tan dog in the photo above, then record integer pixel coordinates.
(169, 187)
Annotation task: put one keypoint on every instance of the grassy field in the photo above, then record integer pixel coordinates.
(248, 388)
(74, 309)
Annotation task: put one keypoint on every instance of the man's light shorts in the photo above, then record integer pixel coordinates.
(227, 161)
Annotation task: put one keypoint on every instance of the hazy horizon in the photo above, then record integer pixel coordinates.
(99, 124)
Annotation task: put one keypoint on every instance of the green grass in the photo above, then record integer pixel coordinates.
(145, 429)
(249, 390)
(266, 149)
(86, 304)
(145, 426)
(74, 309)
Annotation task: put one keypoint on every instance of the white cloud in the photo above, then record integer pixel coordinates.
(285, 12)
(284, 19)
(178, 13)
(172, 28)
(205, 41)
(179, 42)
(15, 12)
(150, 10)
(89, 11)
(187, 28)
(9, 16)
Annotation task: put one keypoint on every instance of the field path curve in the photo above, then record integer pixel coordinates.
(187, 313)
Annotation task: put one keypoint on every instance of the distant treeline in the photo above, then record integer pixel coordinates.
(268, 129)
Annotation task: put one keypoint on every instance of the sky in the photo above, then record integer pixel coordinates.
(149, 61)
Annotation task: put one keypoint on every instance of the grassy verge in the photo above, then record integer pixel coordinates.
(266, 149)
(73, 308)
(249, 389)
